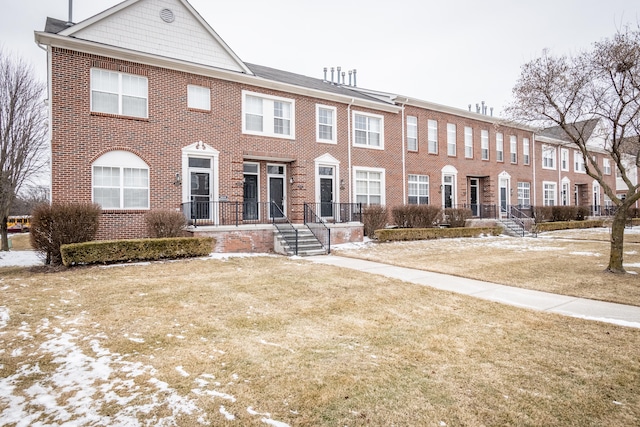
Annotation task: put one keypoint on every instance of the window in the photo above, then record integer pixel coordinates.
(368, 130)
(499, 147)
(525, 151)
(118, 93)
(513, 144)
(468, 142)
(268, 115)
(484, 144)
(548, 157)
(198, 97)
(606, 166)
(451, 139)
(578, 162)
(120, 181)
(369, 186)
(433, 136)
(412, 133)
(326, 124)
(549, 189)
(418, 190)
(524, 194)
(564, 159)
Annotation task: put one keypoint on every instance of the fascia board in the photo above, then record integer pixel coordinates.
(90, 47)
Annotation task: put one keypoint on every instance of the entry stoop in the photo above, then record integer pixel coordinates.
(285, 242)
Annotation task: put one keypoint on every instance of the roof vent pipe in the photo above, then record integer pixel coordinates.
(338, 69)
(70, 21)
(469, 107)
(484, 108)
(354, 77)
(343, 79)
(491, 109)
(332, 71)
(325, 74)
(350, 72)
(477, 108)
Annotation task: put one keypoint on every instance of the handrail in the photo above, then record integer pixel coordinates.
(283, 225)
(517, 219)
(310, 217)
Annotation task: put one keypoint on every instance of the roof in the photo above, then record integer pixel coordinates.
(582, 129)
(54, 26)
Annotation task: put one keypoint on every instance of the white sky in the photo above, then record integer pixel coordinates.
(450, 52)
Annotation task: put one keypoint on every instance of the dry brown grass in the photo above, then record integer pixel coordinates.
(571, 263)
(312, 345)
(20, 242)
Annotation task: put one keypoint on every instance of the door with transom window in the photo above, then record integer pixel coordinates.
(200, 175)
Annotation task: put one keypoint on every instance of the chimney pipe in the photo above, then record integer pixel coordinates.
(469, 107)
(350, 72)
(332, 71)
(325, 74)
(484, 109)
(477, 108)
(354, 77)
(70, 12)
(343, 80)
(338, 69)
(491, 111)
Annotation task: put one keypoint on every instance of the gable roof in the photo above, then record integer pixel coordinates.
(582, 129)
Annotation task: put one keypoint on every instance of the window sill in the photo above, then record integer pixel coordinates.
(118, 116)
(198, 110)
(125, 211)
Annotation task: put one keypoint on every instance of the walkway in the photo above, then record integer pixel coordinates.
(618, 314)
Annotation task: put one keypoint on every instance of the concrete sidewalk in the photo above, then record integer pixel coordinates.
(618, 314)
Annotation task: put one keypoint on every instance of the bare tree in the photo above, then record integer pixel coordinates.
(23, 131)
(600, 84)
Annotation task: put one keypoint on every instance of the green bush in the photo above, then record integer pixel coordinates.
(563, 213)
(374, 217)
(110, 251)
(62, 223)
(400, 234)
(416, 216)
(568, 225)
(164, 223)
(457, 217)
(582, 212)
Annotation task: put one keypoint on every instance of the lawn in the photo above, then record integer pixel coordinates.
(279, 341)
(569, 262)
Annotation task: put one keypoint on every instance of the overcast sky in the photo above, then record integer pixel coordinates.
(449, 52)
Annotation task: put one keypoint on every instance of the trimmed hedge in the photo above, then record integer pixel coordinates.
(374, 217)
(112, 251)
(568, 225)
(416, 216)
(401, 234)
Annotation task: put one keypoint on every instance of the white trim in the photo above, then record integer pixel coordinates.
(383, 188)
(373, 116)
(284, 187)
(120, 159)
(202, 150)
(565, 151)
(450, 170)
(327, 160)
(555, 193)
(268, 115)
(334, 126)
(549, 149)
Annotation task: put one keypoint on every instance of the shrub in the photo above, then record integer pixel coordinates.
(165, 223)
(62, 223)
(633, 213)
(563, 213)
(401, 234)
(457, 217)
(543, 214)
(110, 251)
(416, 216)
(374, 218)
(568, 225)
(582, 212)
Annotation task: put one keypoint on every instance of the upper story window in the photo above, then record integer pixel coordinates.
(484, 144)
(578, 160)
(367, 130)
(326, 124)
(412, 133)
(499, 147)
(120, 180)
(268, 115)
(564, 159)
(418, 189)
(199, 97)
(525, 151)
(432, 126)
(119, 93)
(468, 142)
(513, 151)
(548, 157)
(451, 139)
(606, 166)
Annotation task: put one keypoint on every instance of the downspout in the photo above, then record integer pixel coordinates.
(404, 160)
(533, 159)
(50, 116)
(349, 150)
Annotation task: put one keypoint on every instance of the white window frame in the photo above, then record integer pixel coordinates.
(418, 189)
(578, 162)
(451, 139)
(484, 144)
(319, 138)
(368, 131)
(606, 166)
(381, 171)
(513, 148)
(549, 188)
(499, 147)
(268, 115)
(525, 151)
(199, 97)
(564, 159)
(432, 127)
(119, 92)
(412, 133)
(524, 194)
(548, 157)
(468, 142)
(121, 160)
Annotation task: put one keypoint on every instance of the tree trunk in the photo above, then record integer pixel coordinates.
(617, 240)
(3, 232)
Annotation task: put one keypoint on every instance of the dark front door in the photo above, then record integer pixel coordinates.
(503, 199)
(448, 192)
(473, 196)
(276, 196)
(200, 195)
(250, 207)
(326, 197)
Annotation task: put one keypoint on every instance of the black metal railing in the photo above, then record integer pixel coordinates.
(227, 213)
(284, 227)
(317, 227)
(337, 213)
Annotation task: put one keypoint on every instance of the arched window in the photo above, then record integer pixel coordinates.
(120, 181)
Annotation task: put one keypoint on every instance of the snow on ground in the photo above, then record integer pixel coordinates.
(20, 259)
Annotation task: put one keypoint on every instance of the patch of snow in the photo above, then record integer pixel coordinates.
(275, 423)
(20, 259)
(585, 254)
(4, 316)
(226, 414)
(181, 371)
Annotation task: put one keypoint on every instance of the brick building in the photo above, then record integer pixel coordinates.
(150, 109)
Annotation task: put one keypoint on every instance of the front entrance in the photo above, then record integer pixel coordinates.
(473, 196)
(200, 185)
(276, 177)
(504, 193)
(448, 191)
(326, 191)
